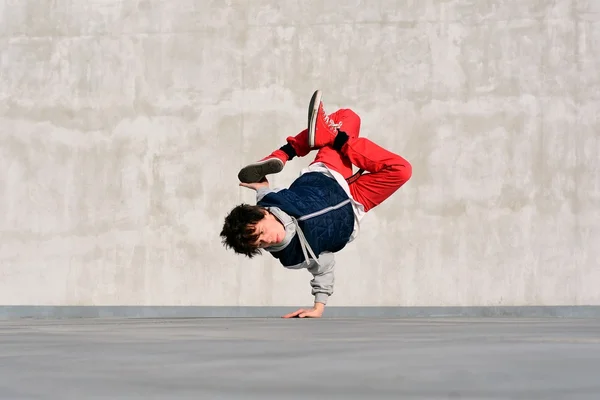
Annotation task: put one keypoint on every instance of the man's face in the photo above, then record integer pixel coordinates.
(270, 231)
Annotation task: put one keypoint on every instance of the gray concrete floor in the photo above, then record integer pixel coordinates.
(300, 359)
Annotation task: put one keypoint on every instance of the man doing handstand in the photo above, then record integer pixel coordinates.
(319, 214)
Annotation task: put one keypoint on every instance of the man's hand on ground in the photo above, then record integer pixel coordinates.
(263, 183)
(315, 312)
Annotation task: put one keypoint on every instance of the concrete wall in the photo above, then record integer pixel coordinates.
(123, 125)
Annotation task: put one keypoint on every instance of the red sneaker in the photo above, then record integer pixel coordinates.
(321, 130)
(271, 164)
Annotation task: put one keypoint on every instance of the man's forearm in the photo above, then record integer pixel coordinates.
(320, 297)
(323, 278)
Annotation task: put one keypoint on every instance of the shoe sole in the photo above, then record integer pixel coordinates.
(256, 172)
(313, 109)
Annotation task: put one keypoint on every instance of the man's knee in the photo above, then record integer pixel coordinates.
(349, 119)
(402, 172)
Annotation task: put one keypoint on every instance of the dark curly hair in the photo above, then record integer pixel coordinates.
(238, 229)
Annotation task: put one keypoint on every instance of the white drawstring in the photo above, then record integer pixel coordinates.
(304, 244)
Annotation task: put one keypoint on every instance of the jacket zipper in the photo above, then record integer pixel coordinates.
(324, 211)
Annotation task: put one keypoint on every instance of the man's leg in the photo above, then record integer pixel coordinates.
(274, 162)
(349, 121)
(299, 146)
(387, 171)
(296, 146)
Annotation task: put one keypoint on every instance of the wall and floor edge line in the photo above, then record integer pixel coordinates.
(56, 312)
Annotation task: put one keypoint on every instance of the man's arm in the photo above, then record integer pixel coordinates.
(323, 277)
(322, 286)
